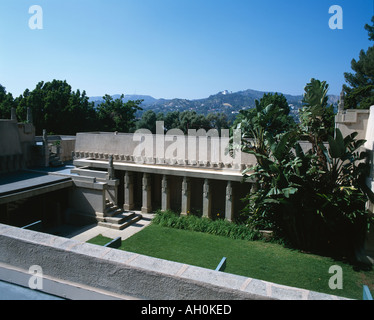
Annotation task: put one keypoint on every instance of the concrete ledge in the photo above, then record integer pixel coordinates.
(89, 182)
(350, 115)
(191, 172)
(56, 287)
(15, 196)
(125, 275)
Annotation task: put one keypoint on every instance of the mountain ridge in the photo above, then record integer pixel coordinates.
(224, 101)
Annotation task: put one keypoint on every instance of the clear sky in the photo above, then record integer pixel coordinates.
(180, 48)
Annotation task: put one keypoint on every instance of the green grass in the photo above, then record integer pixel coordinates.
(100, 240)
(255, 259)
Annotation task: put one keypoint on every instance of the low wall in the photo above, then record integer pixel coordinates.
(64, 148)
(67, 148)
(10, 139)
(11, 156)
(86, 200)
(148, 148)
(124, 275)
(353, 120)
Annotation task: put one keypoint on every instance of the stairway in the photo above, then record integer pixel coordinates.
(116, 218)
(54, 160)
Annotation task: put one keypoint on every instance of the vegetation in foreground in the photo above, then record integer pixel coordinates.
(256, 259)
(315, 199)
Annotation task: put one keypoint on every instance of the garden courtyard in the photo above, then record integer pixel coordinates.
(259, 259)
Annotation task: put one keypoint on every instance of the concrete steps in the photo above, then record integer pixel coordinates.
(54, 160)
(116, 218)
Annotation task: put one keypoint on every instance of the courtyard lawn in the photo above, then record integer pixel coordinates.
(255, 259)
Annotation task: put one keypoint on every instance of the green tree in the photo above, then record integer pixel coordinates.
(148, 121)
(192, 120)
(56, 108)
(274, 119)
(218, 121)
(6, 103)
(117, 115)
(171, 120)
(317, 117)
(315, 200)
(80, 113)
(360, 88)
(370, 29)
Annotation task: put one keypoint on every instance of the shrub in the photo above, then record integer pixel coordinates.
(315, 200)
(217, 227)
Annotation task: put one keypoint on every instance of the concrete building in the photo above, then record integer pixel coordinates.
(113, 175)
(187, 174)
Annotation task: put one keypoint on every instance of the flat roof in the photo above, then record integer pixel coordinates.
(22, 184)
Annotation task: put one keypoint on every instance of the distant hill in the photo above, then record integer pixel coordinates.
(225, 101)
(147, 99)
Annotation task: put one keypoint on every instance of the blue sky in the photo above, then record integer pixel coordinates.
(180, 48)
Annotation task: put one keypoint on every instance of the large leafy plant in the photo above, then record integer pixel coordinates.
(315, 199)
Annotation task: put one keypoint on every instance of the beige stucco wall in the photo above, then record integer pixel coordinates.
(349, 121)
(174, 149)
(361, 121)
(76, 270)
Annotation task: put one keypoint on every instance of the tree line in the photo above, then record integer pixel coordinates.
(60, 110)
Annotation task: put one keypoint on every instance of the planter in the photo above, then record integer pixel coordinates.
(266, 234)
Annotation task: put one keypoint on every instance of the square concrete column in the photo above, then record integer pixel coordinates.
(129, 191)
(186, 196)
(112, 191)
(45, 148)
(147, 196)
(207, 199)
(165, 193)
(229, 209)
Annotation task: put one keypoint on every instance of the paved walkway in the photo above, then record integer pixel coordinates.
(89, 232)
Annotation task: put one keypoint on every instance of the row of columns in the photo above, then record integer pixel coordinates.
(165, 195)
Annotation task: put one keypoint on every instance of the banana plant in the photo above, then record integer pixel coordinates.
(314, 199)
(304, 202)
(344, 180)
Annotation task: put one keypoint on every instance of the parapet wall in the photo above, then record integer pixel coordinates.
(353, 120)
(204, 150)
(117, 274)
(16, 142)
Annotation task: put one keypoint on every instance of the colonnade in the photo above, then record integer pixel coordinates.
(186, 185)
